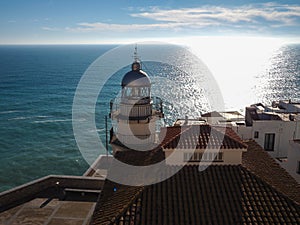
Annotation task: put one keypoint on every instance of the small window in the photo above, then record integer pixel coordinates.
(194, 157)
(219, 157)
(197, 157)
(187, 156)
(298, 169)
(269, 142)
(256, 134)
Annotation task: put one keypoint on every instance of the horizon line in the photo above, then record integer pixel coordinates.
(174, 40)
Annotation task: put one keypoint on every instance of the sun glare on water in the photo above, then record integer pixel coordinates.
(234, 63)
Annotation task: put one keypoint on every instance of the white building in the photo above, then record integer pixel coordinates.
(275, 128)
(292, 162)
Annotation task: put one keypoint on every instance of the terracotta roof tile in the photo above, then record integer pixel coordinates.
(200, 136)
(217, 195)
(115, 199)
(257, 192)
(168, 134)
(263, 165)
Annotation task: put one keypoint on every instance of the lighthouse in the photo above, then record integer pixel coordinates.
(135, 114)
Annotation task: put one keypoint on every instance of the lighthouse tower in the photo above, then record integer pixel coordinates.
(136, 113)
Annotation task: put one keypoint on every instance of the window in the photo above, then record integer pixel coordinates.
(219, 157)
(298, 169)
(187, 156)
(256, 134)
(192, 157)
(135, 91)
(207, 157)
(269, 142)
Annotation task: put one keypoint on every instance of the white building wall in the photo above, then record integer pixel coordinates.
(297, 129)
(273, 126)
(291, 165)
(284, 131)
(244, 132)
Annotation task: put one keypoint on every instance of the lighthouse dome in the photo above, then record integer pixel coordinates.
(136, 77)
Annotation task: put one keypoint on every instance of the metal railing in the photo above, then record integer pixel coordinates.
(136, 109)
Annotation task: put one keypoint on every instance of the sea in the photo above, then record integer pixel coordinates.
(37, 88)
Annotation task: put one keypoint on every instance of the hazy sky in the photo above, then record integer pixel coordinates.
(97, 21)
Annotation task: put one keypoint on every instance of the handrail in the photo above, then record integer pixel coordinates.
(51, 186)
(155, 101)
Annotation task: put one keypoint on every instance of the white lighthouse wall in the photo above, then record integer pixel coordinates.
(140, 128)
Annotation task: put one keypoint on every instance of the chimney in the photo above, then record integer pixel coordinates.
(186, 120)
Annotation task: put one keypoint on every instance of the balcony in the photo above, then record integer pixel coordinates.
(136, 110)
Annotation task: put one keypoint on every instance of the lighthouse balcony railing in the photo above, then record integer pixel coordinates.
(135, 111)
(122, 109)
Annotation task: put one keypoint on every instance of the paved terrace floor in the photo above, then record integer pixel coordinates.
(55, 213)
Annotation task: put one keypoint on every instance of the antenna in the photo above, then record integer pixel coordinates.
(135, 54)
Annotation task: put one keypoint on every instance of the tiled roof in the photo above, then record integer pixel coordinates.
(115, 198)
(217, 195)
(168, 134)
(257, 192)
(264, 166)
(201, 136)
